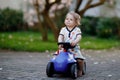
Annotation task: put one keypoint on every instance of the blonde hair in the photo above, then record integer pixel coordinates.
(76, 17)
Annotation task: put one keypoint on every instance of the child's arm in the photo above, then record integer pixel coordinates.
(76, 41)
(60, 39)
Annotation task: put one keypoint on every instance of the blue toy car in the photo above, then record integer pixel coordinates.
(64, 63)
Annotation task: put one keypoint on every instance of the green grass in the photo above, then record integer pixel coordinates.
(98, 43)
(31, 41)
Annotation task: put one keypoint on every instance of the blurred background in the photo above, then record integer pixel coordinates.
(42, 19)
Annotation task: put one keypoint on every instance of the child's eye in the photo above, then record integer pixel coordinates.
(66, 18)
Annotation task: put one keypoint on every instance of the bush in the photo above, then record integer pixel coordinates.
(101, 27)
(11, 20)
(107, 27)
(89, 25)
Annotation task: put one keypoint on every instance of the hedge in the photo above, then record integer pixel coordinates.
(101, 26)
(11, 20)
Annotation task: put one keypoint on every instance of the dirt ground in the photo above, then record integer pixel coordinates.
(101, 65)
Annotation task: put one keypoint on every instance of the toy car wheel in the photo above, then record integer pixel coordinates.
(74, 71)
(84, 68)
(50, 69)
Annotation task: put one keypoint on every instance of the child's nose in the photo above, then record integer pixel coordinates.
(68, 20)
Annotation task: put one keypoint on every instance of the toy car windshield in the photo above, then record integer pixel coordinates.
(66, 45)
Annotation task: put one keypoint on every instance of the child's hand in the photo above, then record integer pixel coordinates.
(73, 43)
(60, 47)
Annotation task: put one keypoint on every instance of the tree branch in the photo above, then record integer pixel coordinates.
(48, 5)
(56, 1)
(89, 5)
(97, 4)
(78, 5)
(36, 6)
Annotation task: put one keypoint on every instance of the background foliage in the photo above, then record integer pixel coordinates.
(101, 26)
(11, 20)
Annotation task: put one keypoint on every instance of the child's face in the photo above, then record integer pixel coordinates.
(70, 21)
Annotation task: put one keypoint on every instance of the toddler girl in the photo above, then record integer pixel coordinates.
(72, 33)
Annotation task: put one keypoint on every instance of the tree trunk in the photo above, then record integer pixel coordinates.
(44, 34)
(40, 24)
(43, 31)
(51, 25)
(41, 28)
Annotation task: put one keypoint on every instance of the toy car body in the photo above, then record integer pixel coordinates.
(63, 63)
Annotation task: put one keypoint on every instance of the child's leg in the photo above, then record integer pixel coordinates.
(80, 63)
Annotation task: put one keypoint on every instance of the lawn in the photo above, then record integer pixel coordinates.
(31, 41)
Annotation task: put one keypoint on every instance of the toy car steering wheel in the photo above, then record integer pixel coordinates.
(66, 45)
